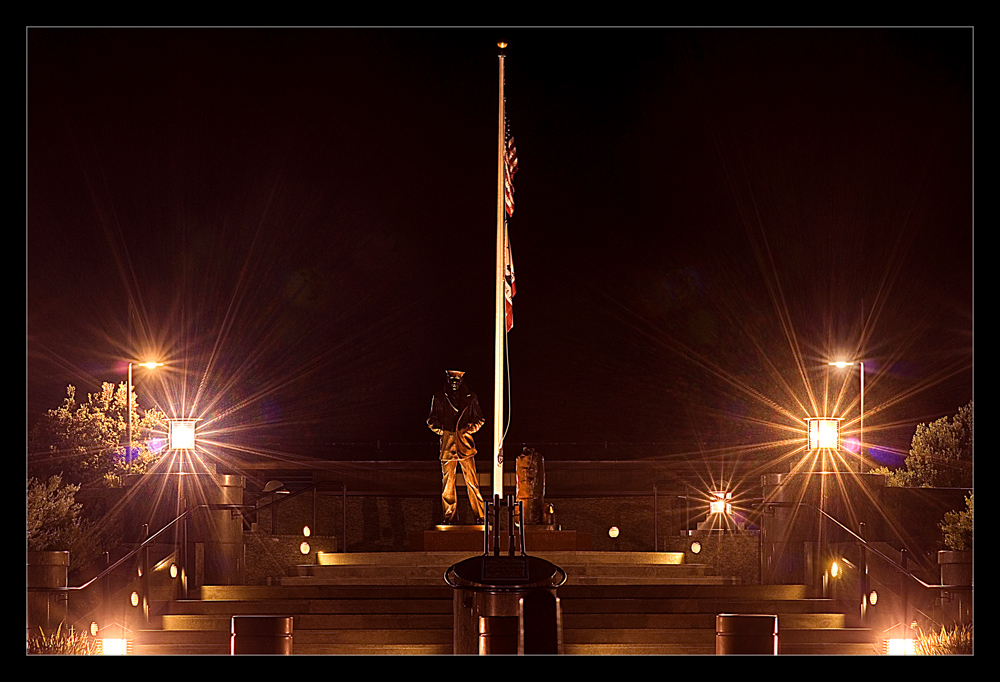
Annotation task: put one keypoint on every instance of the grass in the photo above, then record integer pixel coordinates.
(956, 641)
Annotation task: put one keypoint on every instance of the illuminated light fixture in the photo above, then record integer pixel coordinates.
(112, 640)
(134, 599)
(696, 547)
(834, 569)
(873, 598)
(93, 628)
(719, 504)
(900, 647)
(613, 532)
(113, 647)
(306, 531)
(147, 365)
(173, 570)
(304, 547)
(824, 432)
(182, 434)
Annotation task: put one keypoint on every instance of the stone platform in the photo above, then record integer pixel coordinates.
(470, 538)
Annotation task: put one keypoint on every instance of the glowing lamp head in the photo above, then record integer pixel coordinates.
(182, 434)
(719, 504)
(824, 432)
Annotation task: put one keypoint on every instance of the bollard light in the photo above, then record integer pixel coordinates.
(900, 647)
(112, 640)
(824, 432)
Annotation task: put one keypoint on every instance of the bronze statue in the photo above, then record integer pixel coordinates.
(531, 484)
(455, 416)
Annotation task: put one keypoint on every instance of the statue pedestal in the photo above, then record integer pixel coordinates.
(470, 539)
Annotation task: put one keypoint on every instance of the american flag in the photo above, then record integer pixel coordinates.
(508, 283)
(509, 168)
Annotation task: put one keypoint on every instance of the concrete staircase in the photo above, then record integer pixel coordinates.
(398, 603)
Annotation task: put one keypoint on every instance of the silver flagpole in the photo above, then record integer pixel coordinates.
(500, 316)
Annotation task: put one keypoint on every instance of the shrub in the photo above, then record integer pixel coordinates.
(957, 527)
(61, 643)
(957, 641)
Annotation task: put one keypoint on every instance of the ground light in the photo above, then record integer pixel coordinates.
(112, 640)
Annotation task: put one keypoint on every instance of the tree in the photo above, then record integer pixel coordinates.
(957, 527)
(53, 515)
(940, 455)
(84, 442)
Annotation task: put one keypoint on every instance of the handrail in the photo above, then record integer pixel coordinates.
(240, 508)
(289, 495)
(107, 571)
(870, 548)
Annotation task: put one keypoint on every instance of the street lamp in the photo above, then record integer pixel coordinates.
(147, 365)
(861, 418)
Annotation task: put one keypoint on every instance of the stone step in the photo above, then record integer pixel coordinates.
(304, 622)
(584, 605)
(321, 591)
(612, 603)
(221, 621)
(689, 592)
(691, 620)
(445, 559)
(317, 642)
(315, 606)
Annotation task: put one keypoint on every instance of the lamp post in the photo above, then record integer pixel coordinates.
(861, 418)
(147, 365)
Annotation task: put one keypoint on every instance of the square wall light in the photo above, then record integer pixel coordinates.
(824, 432)
(182, 434)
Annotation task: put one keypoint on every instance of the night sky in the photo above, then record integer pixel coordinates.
(301, 224)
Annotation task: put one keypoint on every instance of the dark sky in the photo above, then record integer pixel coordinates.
(301, 223)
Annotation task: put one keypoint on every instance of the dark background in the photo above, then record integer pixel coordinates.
(301, 224)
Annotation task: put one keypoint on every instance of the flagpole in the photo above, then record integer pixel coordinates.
(500, 308)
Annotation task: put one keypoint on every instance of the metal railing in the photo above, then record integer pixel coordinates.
(907, 577)
(142, 551)
(280, 498)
